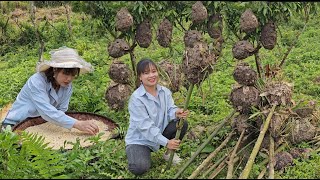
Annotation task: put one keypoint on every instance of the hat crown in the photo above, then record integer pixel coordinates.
(65, 54)
(65, 57)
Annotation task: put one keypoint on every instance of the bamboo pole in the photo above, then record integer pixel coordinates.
(225, 158)
(204, 144)
(271, 158)
(214, 166)
(212, 155)
(233, 154)
(262, 173)
(218, 170)
(180, 124)
(245, 173)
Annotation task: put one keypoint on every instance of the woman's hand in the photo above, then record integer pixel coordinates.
(180, 113)
(87, 126)
(173, 144)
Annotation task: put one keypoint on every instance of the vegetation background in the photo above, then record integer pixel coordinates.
(19, 53)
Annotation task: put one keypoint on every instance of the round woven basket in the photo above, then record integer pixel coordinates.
(81, 116)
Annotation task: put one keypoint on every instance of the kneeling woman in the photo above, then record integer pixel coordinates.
(47, 93)
(153, 120)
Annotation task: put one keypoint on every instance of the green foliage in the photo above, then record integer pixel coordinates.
(29, 159)
(93, 25)
(302, 169)
(101, 160)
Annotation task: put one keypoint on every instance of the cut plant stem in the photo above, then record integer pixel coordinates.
(245, 173)
(225, 158)
(271, 158)
(212, 155)
(195, 154)
(180, 124)
(233, 154)
(262, 173)
(214, 166)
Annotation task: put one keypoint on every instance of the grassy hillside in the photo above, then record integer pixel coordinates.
(208, 106)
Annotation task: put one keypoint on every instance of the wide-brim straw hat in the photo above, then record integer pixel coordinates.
(65, 57)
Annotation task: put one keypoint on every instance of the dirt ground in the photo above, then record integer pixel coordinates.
(4, 111)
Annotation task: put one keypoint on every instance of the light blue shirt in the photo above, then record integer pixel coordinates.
(149, 116)
(38, 98)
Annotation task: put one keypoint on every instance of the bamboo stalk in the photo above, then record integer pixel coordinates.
(233, 154)
(180, 124)
(214, 166)
(271, 158)
(262, 173)
(225, 158)
(212, 155)
(204, 144)
(218, 170)
(264, 162)
(245, 173)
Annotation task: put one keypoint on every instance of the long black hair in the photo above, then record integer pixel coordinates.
(67, 71)
(143, 66)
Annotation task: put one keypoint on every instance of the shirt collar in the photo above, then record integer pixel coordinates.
(142, 91)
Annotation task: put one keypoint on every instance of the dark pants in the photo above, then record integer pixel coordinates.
(139, 156)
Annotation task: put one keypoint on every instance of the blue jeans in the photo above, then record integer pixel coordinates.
(139, 156)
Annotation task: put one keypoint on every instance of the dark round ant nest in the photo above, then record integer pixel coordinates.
(240, 123)
(279, 93)
(164, 33)
(282, 160)
(302, 130)
(144, 34)
(118, 48)
(244, 97)
(244, 74)
(268, 36)
(266, 142)
(124, 20)
(304, 112)
(197, 63)
(172, 75)
(199, 12)
(191, 37)
(277, 124)
(120, 72)
(300, 153)
(117, 95)
(242, 49)
(248, 21)
(215, 26)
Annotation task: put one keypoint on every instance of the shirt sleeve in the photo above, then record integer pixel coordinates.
(172, 108)
(142, 121)
(39, 96)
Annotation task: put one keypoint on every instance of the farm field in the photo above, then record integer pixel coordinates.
(210, 102)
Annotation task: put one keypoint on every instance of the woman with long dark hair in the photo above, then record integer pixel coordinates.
(153, 120)
(47, 92)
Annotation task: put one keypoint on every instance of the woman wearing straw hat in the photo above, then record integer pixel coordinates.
(47, 92)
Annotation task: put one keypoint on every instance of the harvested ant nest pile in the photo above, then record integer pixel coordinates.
(290, 123)
(197, 60)
(56, 136)
(120, 88)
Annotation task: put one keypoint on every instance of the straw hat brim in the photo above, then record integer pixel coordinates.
(84, 68)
